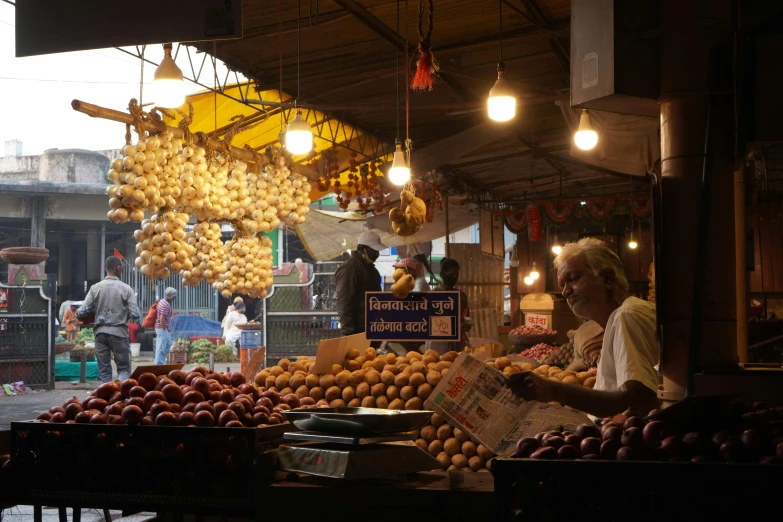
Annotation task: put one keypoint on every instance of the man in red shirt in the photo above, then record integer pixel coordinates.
(163, 326)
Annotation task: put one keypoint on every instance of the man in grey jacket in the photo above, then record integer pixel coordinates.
(114, 305)
(354, 278)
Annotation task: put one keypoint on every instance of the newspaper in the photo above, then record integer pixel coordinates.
(478, 399)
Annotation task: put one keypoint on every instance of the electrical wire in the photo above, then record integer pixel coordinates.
(398, 73)
(298, 47)
(500, 36)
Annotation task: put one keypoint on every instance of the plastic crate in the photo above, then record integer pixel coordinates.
(585, 490)
(178, 357)
(209, 467)
(250, 339)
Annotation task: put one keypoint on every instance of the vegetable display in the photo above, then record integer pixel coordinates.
(540, 352)
(735, 434)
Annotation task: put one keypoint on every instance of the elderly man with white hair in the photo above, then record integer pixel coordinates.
(592, 280)
(163, 325)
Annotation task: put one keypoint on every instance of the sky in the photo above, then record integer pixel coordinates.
(36, 93)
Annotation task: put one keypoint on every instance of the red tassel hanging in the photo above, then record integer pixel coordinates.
(426, 67)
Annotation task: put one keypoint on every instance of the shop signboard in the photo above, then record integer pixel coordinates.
(537, 320)
(422, 316)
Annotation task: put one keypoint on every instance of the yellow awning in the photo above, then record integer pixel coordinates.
(263, 124)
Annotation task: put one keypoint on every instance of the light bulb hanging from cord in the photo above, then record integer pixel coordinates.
(528, 280)
(502, 102)
(399, 173)
(632, 244)
(513, 259)
(299, 134)
(556, 248)
(534, 273)
(168, 87)
(585, 136)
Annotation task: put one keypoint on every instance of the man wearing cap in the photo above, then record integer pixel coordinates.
(354, 278)
(233, 319)
(163, 326)
(113, 304)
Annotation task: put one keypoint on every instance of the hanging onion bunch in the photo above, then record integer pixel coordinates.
(136, 178)
(161, 245)
(192, 181)
(209, 258)
(249, 262)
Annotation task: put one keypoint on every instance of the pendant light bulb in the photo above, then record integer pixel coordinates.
(556, 248)
(168, 87)
(534, 273)
(501, 104)
(585, 137)
(513, 260)
(528, 280)
(299, 135)
(399, 173)
(632, 244)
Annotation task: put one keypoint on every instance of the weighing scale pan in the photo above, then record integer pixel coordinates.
(361, 421)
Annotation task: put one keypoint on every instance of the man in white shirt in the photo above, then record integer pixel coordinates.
(593, 282)
(234, 319)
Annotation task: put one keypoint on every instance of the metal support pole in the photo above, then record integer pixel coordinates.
(740, 231)
(103, 248)
(38, 222)
(448, 245)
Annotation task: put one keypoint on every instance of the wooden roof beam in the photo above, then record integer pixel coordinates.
(538, 18)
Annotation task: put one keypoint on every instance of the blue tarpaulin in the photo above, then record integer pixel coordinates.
(194, 326)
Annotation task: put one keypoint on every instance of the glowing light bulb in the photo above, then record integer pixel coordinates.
(556, 249)
(585, 137)
(299, 135)
(534, 273)
(168, 86)
(528, 280)
(399, 173)
(501, 104)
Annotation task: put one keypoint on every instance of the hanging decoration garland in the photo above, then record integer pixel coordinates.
(427, 67)
(601, 208)
(534, 222)
(559, 211)
(641, 206)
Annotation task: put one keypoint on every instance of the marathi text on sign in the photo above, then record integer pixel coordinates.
(422, 316)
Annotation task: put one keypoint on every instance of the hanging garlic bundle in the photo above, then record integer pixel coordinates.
(162, 247)
(249, 259)
(209, 257)
(288, 192)
(195, 190)
(135, 176)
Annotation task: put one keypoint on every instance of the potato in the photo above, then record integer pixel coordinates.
(308, 365)
(316, 393)
(302, 391)
(461, 435)
(286, 391)
(372, 377)
(414, 403)
(260, 378)
(554, 379)
(270, 381)
(436, 420)
(570, 379)
(392, 392)
(349, 393)
(468, 448)
(418, 367)
(362, 390)
(367, 365)
(361, 360)
(433, 378)
(543, 368)
(378, 364)
(337, 403)
(444, 372)
(429, 359)
(353, 353)
(445, 432)
(526, 366)
(484, 452)
(355, 403)
(459, 460)
(423, 444)
(429, 433)
(432, 353)
(442, 365)
(333, 393)
(306, 401)
(296, 381)
(582, 376)
(296, 367)
(312, 381)
(589, 382)
(387, 377)
(424, 391)
(407, 393)
(378, 390)
(355, 378)
(431, 366)
(476, 463)
(396, 404)
(435, 447)
(488, 464)
(352, 366)
(400, 359)
(368, 402)
(282, 381)
(391, 358)
(492, 364)
(369, 353)
(553, 370)
(413, 355)
(335, 369)
(326, 381)
(381, 402)
(451, 446)
(283, 363)
(342, 379)
(417, 379)
(401, 380)
(444, 459)
(502, 362)
(508, 370)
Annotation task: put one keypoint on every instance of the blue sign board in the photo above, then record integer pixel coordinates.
(422, 316)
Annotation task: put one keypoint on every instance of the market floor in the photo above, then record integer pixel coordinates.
(25, 513)
(26, 407)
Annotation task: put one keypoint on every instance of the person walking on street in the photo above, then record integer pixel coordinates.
(233, 320)
(163, 326)
(71, 322)
(113, 303)
(354, 278)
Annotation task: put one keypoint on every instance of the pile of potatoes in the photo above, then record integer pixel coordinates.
(365, 380)
(586, 379)
(452, 447)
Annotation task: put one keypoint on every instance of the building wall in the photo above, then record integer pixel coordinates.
(73, 166)
(19, 167)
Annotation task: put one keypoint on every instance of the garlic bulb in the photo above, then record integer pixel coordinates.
(249, 262)
(162, 247)
(208, 258)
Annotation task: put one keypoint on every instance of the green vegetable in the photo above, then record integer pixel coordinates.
(60, 339)
(225, 354)
(84, 336)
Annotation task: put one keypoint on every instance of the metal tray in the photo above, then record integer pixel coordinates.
(360, 421)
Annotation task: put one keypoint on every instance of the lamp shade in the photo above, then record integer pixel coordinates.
(299, 135)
